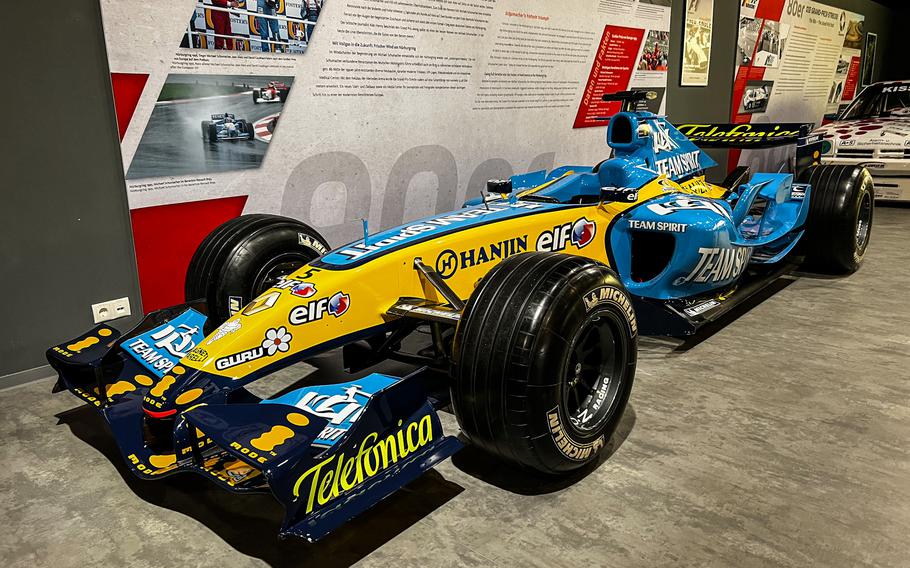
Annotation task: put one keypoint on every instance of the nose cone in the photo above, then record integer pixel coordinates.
(176, 390)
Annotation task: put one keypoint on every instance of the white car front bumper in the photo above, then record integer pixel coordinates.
(891, 176)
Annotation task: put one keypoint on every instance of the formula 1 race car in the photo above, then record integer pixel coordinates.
(226, 126)
(274, 92)
(528, 301)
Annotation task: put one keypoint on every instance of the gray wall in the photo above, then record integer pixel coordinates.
(65, 241)
(713, 103)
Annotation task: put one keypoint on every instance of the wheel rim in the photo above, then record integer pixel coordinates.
(863, 222)
(593, 375)
(276, 269)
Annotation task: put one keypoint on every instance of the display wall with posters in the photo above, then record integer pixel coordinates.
(797, 61)
(390, 110)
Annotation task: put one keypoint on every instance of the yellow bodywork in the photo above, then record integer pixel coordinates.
(376, 285)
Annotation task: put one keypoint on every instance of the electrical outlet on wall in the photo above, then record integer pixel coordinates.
(112, 309)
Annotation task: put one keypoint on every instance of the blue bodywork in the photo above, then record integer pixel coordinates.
(703, 244)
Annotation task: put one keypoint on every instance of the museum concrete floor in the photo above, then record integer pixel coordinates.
(783, 439)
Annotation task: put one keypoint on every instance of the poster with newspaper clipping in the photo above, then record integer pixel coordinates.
(698, 28)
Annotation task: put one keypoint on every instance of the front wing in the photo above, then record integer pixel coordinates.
(321, 479)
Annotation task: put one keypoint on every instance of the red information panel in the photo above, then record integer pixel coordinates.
(852, 80)
(611, 72)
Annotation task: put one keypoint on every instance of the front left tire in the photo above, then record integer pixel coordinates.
(244, 257)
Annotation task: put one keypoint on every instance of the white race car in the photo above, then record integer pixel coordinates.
(874, 131)
(274, 92)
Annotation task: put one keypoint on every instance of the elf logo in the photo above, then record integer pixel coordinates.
(580, 233)
(303, 290)
(315, 310)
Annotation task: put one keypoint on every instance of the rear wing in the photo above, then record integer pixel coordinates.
(759, 136)
(745, 136)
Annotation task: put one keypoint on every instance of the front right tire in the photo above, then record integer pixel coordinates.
(545, 357)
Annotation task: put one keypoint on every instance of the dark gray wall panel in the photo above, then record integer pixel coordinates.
(711, 103)
(66, 240)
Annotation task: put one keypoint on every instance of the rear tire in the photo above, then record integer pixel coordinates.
(206, 129)
(839, 225)
(244, 257)
(213, 133)
(544, 361)
(248, 128)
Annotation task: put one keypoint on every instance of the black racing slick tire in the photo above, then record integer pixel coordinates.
(256, 94)
(213, 133)
(244, 257)
(206, 128)
(839, 224)
(544, 360)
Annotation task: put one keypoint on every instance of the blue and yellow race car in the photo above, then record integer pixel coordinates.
(528, 301)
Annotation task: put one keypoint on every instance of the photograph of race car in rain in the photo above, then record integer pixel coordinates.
(527, 302)
(874, 132)
(274, 92)
(209, 123)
